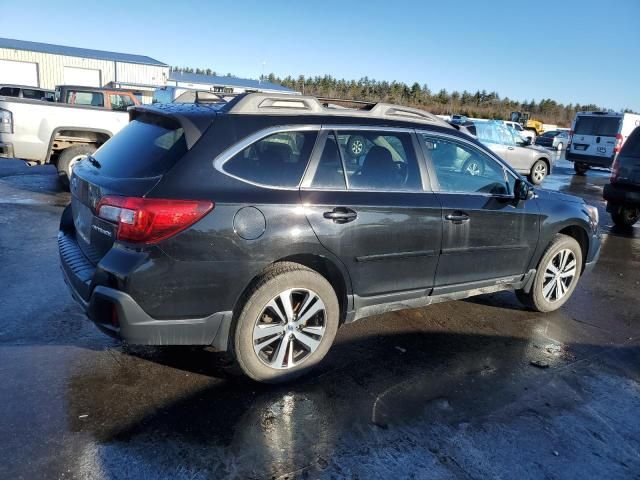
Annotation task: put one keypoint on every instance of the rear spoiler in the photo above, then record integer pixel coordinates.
(192, 118)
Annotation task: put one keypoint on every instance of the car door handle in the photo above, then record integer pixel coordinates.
(457, 218)
(341, 215)
(511, 148)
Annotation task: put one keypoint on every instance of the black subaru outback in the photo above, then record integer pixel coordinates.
(259, 226)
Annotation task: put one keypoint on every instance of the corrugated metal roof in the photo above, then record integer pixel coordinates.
(226, 81)
(77, 52)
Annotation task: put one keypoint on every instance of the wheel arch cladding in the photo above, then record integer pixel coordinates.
(581, 236)
(317, 263)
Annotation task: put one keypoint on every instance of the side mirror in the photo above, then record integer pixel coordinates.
(526, 141)
(522, 190)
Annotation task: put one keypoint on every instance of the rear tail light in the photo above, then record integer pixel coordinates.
(6, 121)
(570, 138)
(618, 146)
(150, 220)
(615, 170)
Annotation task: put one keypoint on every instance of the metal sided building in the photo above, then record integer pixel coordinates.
(218, 84)
(45, 65)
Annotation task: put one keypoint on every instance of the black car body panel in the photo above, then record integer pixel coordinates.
(399, 247)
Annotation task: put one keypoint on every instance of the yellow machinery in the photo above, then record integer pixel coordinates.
(524, 119)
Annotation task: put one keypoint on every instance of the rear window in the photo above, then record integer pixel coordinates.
(278, 160)
(95, 99)
(597, 126)
(631, 147)
(147, 147)
(10, 91)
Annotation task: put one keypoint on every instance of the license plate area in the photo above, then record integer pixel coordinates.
(580, 147)
(82, 220)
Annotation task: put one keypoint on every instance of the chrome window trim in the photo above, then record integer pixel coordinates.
(233, 150)
(507, 169)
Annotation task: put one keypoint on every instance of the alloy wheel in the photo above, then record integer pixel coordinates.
(559, 275)
(290, 328)
(539, 172)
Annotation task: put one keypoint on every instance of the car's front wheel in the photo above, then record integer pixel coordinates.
(556, 276)
(560, 146)
(539, 171)
(287, 323)
(625, 216)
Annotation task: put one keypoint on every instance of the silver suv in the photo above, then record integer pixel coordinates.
(534, 162)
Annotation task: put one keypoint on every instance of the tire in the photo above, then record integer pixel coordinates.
(625, 217)
(541, 297)
(473, 167)
(560, 146)
(580, 168)
(539, 171)
(258, 319)
(68, 157)
(355, 146)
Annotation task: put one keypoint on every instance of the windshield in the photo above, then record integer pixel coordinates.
(597, 126)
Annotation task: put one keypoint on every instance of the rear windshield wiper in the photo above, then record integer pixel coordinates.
(93, 161)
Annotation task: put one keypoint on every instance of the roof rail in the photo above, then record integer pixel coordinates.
(276, 104)
(284, 104)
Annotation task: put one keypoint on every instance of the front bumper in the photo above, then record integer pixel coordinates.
(119, 315)
(621, 195)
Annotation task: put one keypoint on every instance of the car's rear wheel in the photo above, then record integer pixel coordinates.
(580, 168)
(539, 171)
(556, 276)
(286, 325)
(69, 157)
(625, 216)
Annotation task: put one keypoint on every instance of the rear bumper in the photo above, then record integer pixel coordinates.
(621, 195)
(591, 160)
(119, 315)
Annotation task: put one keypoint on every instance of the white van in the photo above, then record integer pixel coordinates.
(596, 137)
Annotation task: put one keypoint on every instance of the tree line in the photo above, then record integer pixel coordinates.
(478, 104)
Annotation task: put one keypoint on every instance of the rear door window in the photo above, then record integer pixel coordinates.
(597, 126)
(278, 160)
(77, 97)
(379, 160)
(147, 147)
(33, 94)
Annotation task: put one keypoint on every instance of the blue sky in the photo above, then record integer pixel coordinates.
(577, 51)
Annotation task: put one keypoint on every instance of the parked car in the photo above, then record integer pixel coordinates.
(596, 138)
(623, 191)
(555, 139)
(534, 162)
(248, 226)
(530, 134)
(96, 97)
(458, 119)
(24, 91)
(52, 132)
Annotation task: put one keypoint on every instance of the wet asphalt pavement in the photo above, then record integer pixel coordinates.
(447, 391)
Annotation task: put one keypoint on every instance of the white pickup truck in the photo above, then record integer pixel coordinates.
(57, 133)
